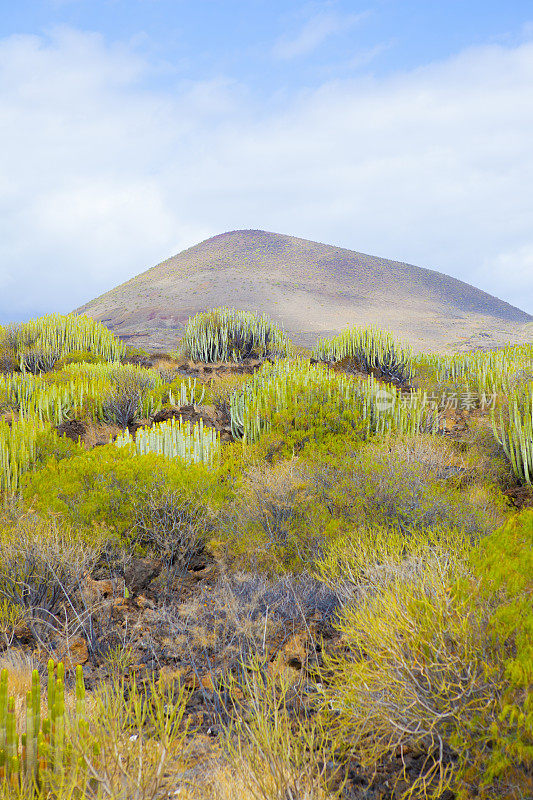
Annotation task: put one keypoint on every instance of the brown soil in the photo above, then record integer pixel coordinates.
(195, 368)
(520, 496)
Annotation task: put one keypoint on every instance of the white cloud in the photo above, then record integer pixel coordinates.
(315, 31)
(100, 177)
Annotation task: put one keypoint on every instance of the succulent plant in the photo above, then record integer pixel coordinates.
(225, 334)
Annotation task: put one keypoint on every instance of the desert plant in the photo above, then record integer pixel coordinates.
(193, 443)
(275, 522)
(135, 744)
(225, 334)
(368, 560)
(40, 343)
(515, 433)
(42, 569)
(18, 450)
(169, 524)
(380, 483)
(293, 387)
(44, 748)
(137, 356)
(442, 664)
(124, 403)
(101, 487)
(186, 392)
(367, 350)
(78, 357)
(128, 741)
(273, 752)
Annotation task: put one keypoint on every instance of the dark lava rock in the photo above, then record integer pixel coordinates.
(72, 429)
(140, 573)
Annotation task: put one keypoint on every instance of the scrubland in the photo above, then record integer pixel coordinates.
(243, 569)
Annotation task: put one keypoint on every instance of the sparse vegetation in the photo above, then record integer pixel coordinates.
(315, 584)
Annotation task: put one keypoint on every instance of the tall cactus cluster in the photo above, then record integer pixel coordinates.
(225, 334)
(40, 343)
(17, 451)
(44, 747)
(370, 349)
(484, 373)
(193, 443)
(281, 386)
(515, 432)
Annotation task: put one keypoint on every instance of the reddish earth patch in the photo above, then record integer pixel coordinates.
(246, 367)
(520, 496)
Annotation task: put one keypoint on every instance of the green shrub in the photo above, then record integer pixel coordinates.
(106, 485)
(79, 357)
(137, 356)
(48, 445)
(443, 664)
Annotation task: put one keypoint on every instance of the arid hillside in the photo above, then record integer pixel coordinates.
(312, 289)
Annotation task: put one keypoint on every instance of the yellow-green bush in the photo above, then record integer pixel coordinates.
(443, 664)
(368, 559)
(79, 357)
(106, 485)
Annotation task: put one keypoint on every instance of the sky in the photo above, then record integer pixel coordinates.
(132, 129)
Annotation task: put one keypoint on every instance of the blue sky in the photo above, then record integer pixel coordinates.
(131, 130)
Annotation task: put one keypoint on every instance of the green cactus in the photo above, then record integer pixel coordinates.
(275, 388)
(194, 443)
(371, 348)
(43, 748)
(40, 343)
(225, 334)
(515, 434)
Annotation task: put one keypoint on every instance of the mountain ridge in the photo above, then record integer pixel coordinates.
(311, 288)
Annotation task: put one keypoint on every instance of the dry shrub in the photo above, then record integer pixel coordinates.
(140, 735)
(408, 483)
(123, 403)
(42, 568)
(241, 613)
(276, 523)
(222, 387)
(274, 748)
(170, 525)
(20, 667)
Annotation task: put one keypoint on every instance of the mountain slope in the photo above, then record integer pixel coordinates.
(312, 289)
